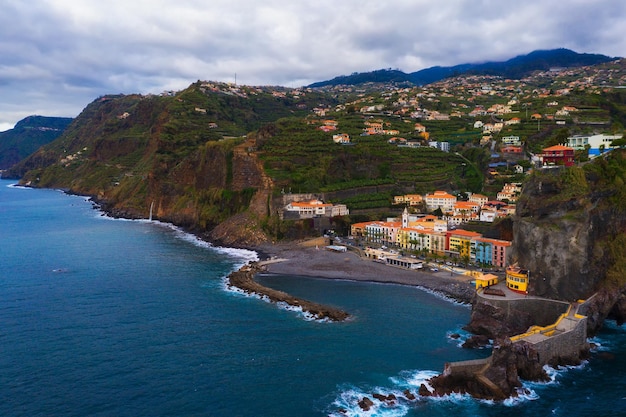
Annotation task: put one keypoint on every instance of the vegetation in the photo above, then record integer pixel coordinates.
(178, 149)
(27, 136)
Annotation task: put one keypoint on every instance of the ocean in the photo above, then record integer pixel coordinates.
(104, 317)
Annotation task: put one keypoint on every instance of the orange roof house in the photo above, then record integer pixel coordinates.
(558, 155)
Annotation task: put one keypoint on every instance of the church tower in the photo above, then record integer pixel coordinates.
(405, 218)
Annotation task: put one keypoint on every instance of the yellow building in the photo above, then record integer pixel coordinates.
(461, 242)
(485, 280)
(517, 279)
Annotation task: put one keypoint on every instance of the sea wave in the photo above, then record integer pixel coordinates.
(347, 403)
(444, 296)
(16, 185)
(459, 336)
(404, 388)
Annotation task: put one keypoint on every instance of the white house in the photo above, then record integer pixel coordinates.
(579, 142)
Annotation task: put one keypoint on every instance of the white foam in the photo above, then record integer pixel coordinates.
(524, 394)
(348, 402)
(240, 256)
(444, 296)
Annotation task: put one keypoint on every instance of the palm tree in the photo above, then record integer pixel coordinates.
(483, 252)
(421, 236)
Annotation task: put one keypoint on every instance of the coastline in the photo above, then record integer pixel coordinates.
(300, 260)
(310, 259)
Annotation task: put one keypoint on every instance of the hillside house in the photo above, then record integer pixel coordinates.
(595, 142)
(442, 146)
(342, 138)
(511, 140)
(313, 208)
(420, 128)
(397, 141)
(558, 155)
(512, 149)
(408, 199)
(510, 192)
(479, 199)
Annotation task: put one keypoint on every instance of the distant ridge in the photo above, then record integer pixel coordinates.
(27, 136)
(514, 68)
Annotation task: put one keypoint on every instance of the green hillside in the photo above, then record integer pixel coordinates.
(27, 136)
(219, 157)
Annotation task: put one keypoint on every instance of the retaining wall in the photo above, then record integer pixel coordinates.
(564, 345)
(542, 311)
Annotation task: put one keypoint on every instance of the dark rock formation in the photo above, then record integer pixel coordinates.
(492, 322)
(560, 235)
(498, 379)
(244, 279)
(366, 403)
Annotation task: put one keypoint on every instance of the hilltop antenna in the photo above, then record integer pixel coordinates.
(235, 79)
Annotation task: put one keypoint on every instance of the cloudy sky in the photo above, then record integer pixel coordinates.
(56, 56)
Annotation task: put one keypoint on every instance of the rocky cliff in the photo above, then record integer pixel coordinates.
(569, 232)
(186, 158)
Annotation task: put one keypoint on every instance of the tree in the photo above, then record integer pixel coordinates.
(482, 253)
(619, 143)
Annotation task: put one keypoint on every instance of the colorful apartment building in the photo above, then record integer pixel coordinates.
(492, 252)
(461, 243)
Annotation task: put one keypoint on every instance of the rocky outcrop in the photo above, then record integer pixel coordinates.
(494, 322)
(496, 378)
(565, 230)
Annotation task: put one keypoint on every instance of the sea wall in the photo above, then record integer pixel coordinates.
(542, 311)
(465, 369)
(567, 347)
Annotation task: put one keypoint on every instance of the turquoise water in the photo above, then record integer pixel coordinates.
(102, 317)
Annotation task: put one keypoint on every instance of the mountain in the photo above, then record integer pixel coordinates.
(27, 136)
(514, 68)
(378, 76)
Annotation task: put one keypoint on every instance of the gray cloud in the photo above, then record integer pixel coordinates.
(59, 55)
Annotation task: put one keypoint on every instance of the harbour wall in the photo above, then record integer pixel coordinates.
(542, 311)
(565, 346)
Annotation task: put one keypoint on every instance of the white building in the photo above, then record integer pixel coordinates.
(316, 208)
(440, 200)
(442, 146)
(511, 140)
(579, 142)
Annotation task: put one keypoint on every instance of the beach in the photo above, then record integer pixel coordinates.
(314, 260)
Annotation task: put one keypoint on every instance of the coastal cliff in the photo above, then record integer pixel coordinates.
(186, 158)
(569, 232)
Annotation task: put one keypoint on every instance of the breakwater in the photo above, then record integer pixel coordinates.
(244, 280)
